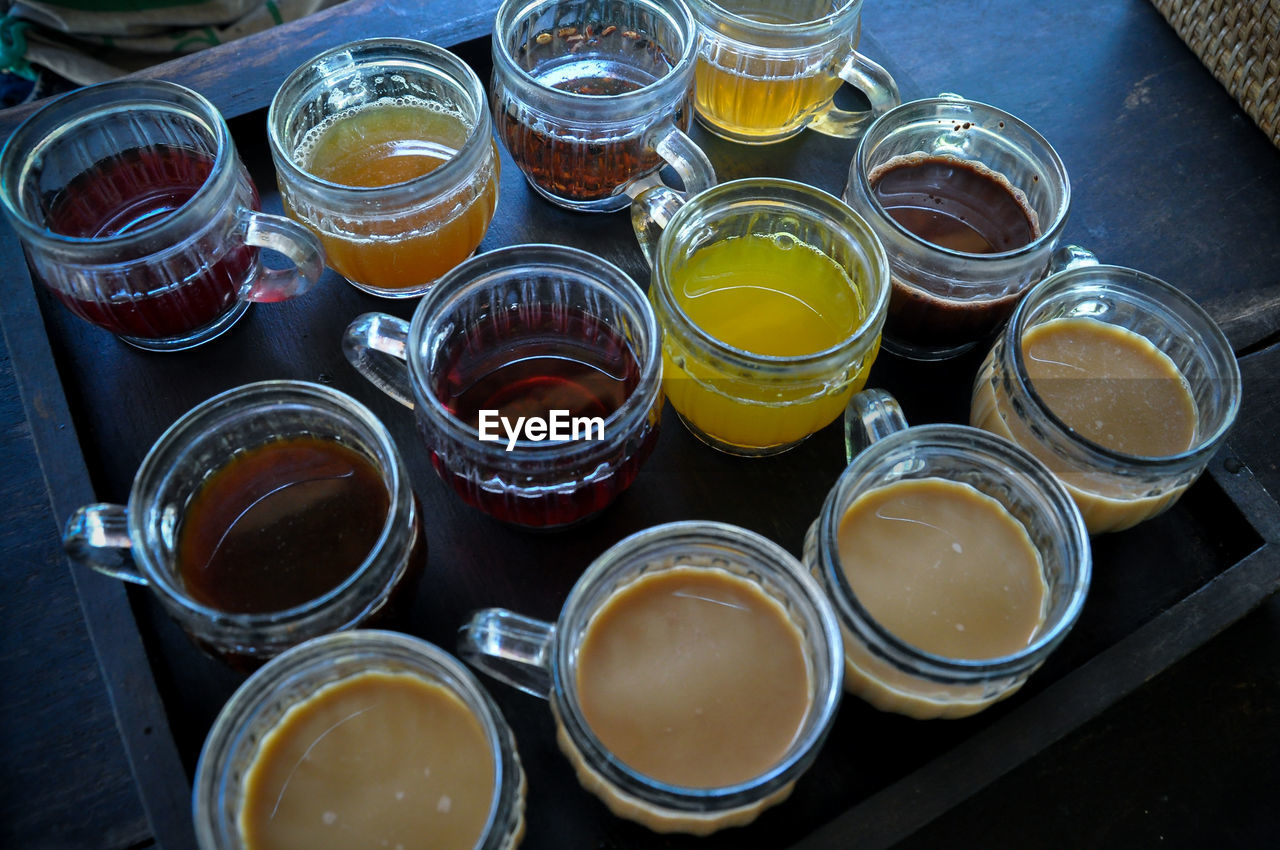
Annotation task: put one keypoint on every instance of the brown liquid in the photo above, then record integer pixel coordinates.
(955, 204)
(379, 760)
(1114, 388)
(573, 159)
(944, 568)
(694, 677)
(281, 524)
(962, 206)
(1111, 386)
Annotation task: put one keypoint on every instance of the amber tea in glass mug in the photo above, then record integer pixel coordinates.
(767, 70)
(593, 97)
(138, 215)
(268, 514)
(383, 148)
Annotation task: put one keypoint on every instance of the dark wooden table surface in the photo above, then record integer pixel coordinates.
(1169, 176)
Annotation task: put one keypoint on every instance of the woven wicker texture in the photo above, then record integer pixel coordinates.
(1239, 41)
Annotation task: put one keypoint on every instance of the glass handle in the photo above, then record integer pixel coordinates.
(651, 210)
(296, 242)
(869, 416)
(511, 648)
(872, 80)
(688, 160)
(1070, 257)
(97, 536)
(376, 344)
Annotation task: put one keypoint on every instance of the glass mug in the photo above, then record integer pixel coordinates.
(731, 671)
(790, 325)
(983, 169)
(146, 541)
(767, 70)
(383, 147)
(138, 215)
(527, 332)
(887, 669)
(1115, 487)
(252, 724)
(593, 97)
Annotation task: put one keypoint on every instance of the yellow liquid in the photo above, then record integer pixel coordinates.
(739, 103)
(758, 98)
(769, 295)
(388, 144)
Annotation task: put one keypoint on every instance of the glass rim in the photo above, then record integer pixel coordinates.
(681, 71)
(1122, 278)
(86, 105)
(814, 26)
(249, 397)
(854, 226)
(503, 263)
(1004, 456)
(316, 654)
(859, 175)
(454, 170)
(818, 719)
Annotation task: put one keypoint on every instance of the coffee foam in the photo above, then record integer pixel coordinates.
(302, 152)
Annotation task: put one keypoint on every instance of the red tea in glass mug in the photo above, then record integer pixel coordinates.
(534, 372)
(137, 213)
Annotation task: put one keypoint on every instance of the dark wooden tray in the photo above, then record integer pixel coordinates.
(96, 406)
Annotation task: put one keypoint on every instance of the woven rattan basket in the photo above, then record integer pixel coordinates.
(1239, 41)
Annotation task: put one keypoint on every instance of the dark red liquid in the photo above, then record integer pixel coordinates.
(280, 525)
(527, 362)
(954, 205)
(133, 190)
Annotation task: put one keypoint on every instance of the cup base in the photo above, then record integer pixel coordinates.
(199, 336)
(613, 203)
(735, 449)
(928, 354)
(401, 292)
(743, 138)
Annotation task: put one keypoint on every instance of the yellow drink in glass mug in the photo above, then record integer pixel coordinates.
(771, 295)
(767, 70)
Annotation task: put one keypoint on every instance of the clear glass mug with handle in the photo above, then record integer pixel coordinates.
(265, 716)
(928, 634)
(384, 148)
(771, 297)
(985, 171)
(1125, 443)
(593, 98)
(704, 742)
(137, 213)
(767, 70)
(142, 542)
(525, 334)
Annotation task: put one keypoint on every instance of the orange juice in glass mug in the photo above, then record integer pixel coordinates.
(383, 148)
(771, 295)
